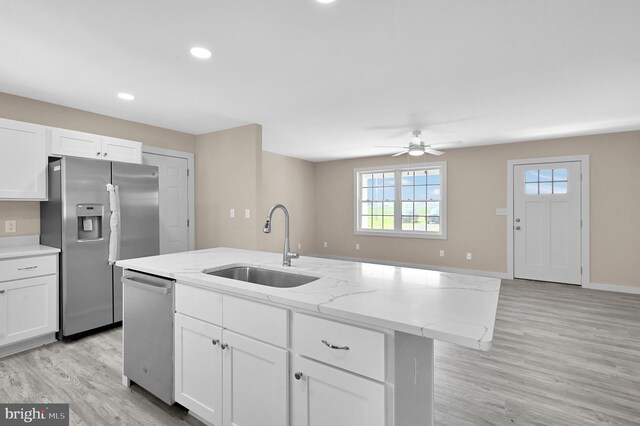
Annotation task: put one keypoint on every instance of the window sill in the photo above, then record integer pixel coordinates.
(406, 234)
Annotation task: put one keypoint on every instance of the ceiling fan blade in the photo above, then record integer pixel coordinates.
(402, 152)
(390, 146)
(433, 151)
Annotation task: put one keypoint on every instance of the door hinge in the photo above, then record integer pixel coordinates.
(187, 172)
(187, 223)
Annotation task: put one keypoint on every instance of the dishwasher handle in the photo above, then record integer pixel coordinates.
(148, 285)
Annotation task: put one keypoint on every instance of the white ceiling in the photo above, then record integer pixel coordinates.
(331, 81)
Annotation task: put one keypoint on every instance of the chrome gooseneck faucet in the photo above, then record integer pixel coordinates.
(287, 255)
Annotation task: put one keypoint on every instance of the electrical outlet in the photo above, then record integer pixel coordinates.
(9, 226)
(299, 246)
(247, 213)
(468, 256)
(501, 212)
(357, 246)
(326, 245)
(441, 253)
(232, 212)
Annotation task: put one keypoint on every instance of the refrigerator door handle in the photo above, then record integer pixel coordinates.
(114, 223)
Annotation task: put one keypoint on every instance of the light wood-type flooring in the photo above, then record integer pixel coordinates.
(562, 355)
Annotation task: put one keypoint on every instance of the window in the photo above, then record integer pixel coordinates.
(545, 181)
(405, 201)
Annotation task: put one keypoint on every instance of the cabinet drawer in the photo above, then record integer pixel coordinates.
(255, 319)
(205, 305)
(26, 267)
(313, 338)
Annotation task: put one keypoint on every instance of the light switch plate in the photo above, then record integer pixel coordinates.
(232, 212)
(501, 212)
(9, 226)
(468, 256)
(441, 253)
(325, 244)
(247, 213)
(357, 246)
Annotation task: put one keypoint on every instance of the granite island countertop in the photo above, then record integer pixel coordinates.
(444, 306)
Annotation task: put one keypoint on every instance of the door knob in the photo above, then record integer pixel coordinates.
(517, 219)
(517, 228)
(298, 375)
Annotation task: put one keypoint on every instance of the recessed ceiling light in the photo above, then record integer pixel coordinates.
(126, 96)
(325, 1)
(201, 52)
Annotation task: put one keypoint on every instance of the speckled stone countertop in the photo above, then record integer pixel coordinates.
(444, 306)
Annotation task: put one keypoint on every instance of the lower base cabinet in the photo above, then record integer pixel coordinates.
(198, 367)
(28, 308)
(229, 379)
(326, 396)
(255, 381)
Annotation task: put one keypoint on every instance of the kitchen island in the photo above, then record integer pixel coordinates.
(354, 346)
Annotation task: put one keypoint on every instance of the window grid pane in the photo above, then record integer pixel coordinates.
(546, 181)
(419, 204)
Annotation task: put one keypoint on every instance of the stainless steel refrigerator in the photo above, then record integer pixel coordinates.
(77, 218)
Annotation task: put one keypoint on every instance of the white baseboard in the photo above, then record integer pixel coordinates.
(613, 287)
(501, 275)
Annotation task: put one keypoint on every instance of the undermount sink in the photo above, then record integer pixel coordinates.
(268, 277)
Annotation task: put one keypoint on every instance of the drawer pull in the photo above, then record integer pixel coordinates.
(224, 346)
(342, 348)
(298, 375)
(215, 341)
(27, 268)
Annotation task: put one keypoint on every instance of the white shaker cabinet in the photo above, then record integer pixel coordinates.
(326, 396)
(23, 161)
(255, 390)
(198, 367)
(28, 299)
(88, 145)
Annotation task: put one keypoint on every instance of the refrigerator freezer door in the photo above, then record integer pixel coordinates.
(139, 219)
(87, 291)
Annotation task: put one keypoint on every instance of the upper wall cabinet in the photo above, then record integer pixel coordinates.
(80, 144)
(23, 161)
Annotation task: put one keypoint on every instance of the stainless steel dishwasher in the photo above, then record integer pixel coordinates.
(148, 332)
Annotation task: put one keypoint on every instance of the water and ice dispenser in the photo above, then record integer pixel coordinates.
(89, 221)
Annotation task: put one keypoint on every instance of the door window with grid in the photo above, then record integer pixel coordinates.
(402, 201)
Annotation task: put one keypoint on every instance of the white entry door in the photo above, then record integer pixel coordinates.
(547, 222)
(174, 201)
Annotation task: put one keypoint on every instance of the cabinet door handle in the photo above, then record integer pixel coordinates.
(341, 348)
(224, 346)
(97, 154)
(298, 375)
(105, 154)
(215, 341)
(1, 291)
(26, 268)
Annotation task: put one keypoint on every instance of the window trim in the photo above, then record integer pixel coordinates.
(442, 165)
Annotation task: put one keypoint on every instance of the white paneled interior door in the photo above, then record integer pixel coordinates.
(174, 201)
(547, 222)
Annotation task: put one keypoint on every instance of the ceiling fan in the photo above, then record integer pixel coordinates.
(417, 146)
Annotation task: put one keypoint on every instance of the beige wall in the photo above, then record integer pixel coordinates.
(477, 185)
(27, 214)
(291, 182)
(228, 170)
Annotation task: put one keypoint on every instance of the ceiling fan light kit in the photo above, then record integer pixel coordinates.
(416, 147)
